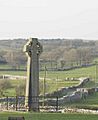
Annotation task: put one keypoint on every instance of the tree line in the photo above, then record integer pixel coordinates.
(62, 52)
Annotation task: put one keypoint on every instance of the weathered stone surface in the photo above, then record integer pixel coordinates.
(33, 49)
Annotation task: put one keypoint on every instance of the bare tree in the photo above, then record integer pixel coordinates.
(4, 85)
(15, 59)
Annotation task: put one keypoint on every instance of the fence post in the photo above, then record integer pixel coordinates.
(7, 102)
(16, 102)
(56, 103)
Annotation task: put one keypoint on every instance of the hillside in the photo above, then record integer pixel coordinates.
(65, 51)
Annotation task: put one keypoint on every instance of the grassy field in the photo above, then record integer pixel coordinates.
(14, 83)
(21, 73)
(80, 72)
(76, 73)
(50, 86)
(56, 79)
(91, 102)
(53, 85)
(6, 66)
(49, 116)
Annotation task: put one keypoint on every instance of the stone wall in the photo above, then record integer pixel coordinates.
(12, 77)
(78, 93)
(63, 91)
(76, 96)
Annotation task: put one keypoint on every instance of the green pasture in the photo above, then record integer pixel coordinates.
(50, 86)
(6, 66)
(91, 102)
(75, 73)
(49, 116)
(56, 79)
(14, 84)
(20, 73)
(53, 85)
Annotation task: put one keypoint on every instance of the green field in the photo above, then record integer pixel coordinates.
(49, 116)
(80, 72)
(50, 86)
(56, 79)
(91, 102)
(21, 73)
(6, 66)
(76, 73)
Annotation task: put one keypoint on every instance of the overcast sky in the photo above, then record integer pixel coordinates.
(49, 19)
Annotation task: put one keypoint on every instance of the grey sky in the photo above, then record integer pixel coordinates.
(49, 19)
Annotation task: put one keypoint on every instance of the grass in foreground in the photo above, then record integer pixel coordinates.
(49, 116)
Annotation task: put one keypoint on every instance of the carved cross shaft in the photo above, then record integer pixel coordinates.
(33, 49)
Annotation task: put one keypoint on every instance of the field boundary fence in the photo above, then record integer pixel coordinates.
(18, 103)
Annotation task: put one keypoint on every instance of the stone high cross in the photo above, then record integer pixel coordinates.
(33, 49)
